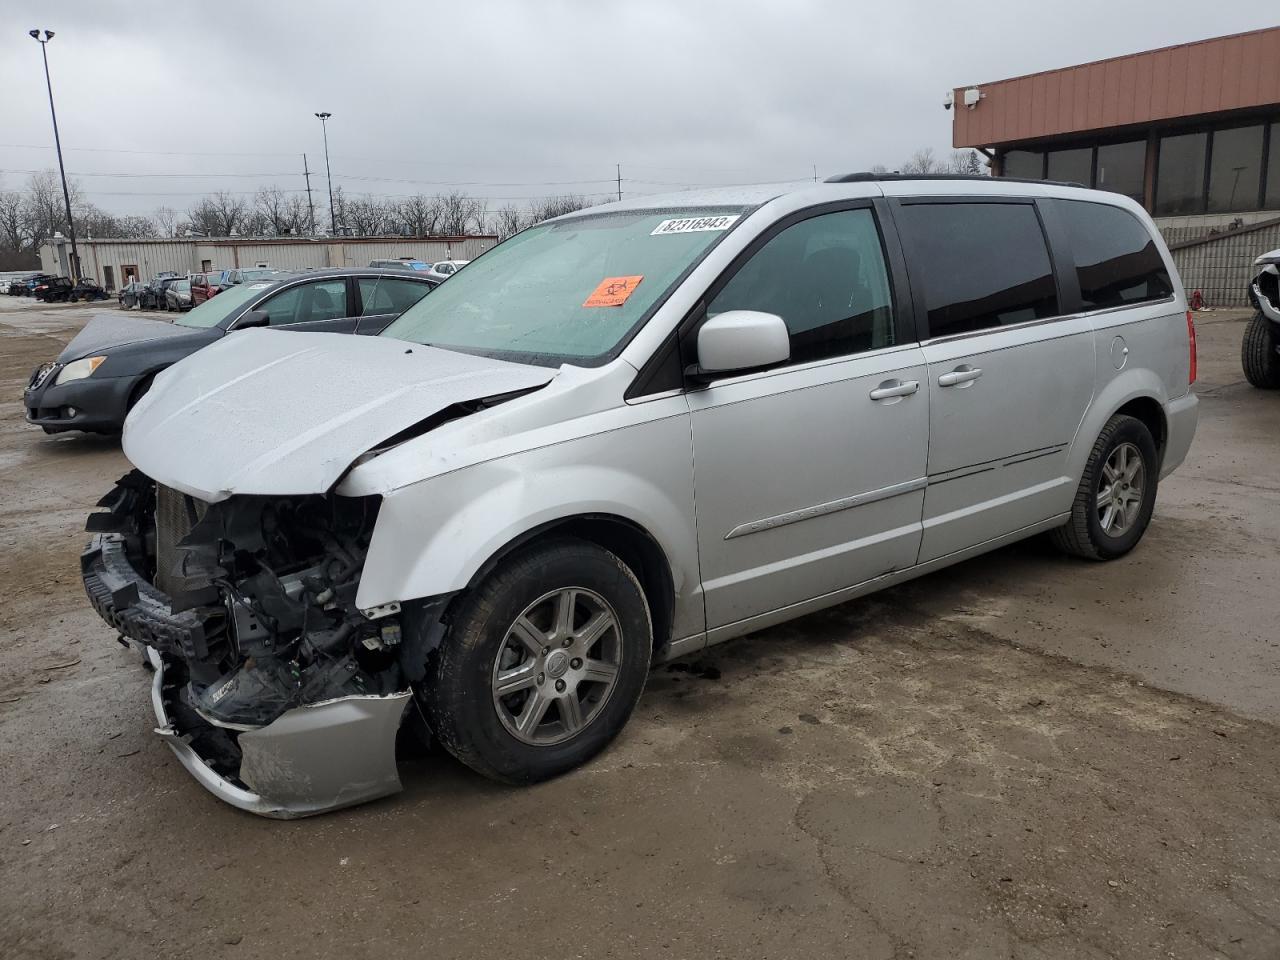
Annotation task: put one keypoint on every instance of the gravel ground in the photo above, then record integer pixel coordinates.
(1024, 756)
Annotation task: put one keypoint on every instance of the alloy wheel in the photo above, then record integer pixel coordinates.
(557, 666)
(1120, 490)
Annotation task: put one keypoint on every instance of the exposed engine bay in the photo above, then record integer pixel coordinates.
(249, 604)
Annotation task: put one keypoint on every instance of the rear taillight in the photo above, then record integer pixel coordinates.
(1191, 349)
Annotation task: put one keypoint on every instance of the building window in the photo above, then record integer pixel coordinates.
(1024, 164)
(1072, 166)
(1272, 200)
(1122, 168)
(1180, 178)
(1235, 170)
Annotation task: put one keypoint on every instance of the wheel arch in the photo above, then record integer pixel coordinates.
(1137, 393)
(624, 538)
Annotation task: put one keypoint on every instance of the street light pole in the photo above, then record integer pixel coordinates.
(333, 220)
(57, 142)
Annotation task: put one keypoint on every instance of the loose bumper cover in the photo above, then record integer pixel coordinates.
(313, 758)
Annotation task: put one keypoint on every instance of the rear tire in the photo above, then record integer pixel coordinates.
(533, 628)
(1258, 353)
(1116, 495)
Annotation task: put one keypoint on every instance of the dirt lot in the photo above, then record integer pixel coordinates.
(1024, 756)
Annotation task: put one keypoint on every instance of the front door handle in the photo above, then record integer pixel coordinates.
(960, 376)
(894, 389)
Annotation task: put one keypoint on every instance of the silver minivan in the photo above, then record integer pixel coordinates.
(620, 437)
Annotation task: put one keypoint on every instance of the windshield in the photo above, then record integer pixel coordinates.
(257, 274)
(570, 291)
(216, 309)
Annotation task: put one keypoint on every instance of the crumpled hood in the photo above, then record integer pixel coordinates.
(106, 331)
(278, 412)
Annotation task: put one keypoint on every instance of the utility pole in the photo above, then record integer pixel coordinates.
(333, 220)
(619, 168)
(57, 141)
(311, 207)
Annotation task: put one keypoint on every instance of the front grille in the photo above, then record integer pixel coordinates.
(41, 374)
(176, 514)
(1269, 287)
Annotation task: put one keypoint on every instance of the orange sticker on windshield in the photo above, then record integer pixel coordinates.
(613, 291)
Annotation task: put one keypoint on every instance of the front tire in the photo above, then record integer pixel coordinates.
(543, 662)
(1258, 353)
(1116, 495)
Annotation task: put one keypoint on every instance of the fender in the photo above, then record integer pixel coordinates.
(432, 537)
(1125, 386)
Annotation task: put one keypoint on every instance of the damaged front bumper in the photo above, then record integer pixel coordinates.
(314, 758)
(329, 753)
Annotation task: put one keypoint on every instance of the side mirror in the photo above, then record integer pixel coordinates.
(741, 340)
(254, 318)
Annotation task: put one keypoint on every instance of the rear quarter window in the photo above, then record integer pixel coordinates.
(1116, 259)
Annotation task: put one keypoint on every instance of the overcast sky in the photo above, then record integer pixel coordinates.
(510, 99)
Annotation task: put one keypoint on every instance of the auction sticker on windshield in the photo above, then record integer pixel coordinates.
(693, 225)
(613, 291)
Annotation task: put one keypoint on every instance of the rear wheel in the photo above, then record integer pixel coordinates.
(1116, 494)
(543, 663)
(1258, 353)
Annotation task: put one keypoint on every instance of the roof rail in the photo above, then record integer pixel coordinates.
(866, 177)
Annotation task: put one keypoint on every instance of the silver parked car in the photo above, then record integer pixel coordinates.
(617, 438)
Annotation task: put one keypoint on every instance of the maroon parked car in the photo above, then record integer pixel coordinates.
(205, 285)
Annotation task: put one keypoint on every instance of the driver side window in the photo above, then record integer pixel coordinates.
(826, 278)
(308, 303)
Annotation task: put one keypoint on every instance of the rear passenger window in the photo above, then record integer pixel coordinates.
(826, 278)
(383, 295)
(979, 265)
(1116, 260)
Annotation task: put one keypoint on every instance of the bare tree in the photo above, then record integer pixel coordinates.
(44, 211)
(966, 162)
(339, 210)
(459, 214)
(419, 215)
(367, 217)
(508, 220)
(166, 221)
(922, 161)
(545, 208)
(297, 216)
(271, 204)
(16, 251)
(218, 214)
(879, 169)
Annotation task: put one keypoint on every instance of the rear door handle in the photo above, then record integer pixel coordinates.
(960, 376)
(894, 389)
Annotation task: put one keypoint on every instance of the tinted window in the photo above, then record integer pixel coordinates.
(979, 265)
(1072, 166)
(308, 303)
(1235, 170)
(383, 295)
(1116, 259)
(1273, 169)
(1180, 179)
(826, 278)
(1121, 168)
(1024, 164)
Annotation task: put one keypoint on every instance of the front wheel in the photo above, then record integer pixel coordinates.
(1258, 353)
(1116, 495)
(543, 662)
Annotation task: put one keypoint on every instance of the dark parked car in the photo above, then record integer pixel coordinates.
(112, 361)
(177, 296)
(152, 295)
(129, 294)
(28, 289)
(53, 290)
(87, 290)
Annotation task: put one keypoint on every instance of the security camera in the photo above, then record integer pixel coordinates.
(947, 100)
